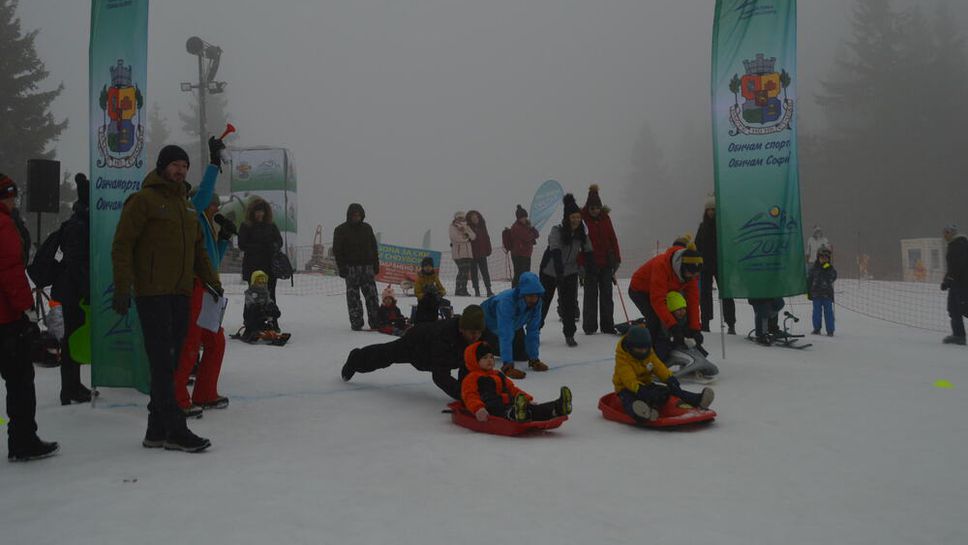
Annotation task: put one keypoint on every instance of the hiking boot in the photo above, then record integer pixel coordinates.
(35, 451)
(489, 292)
(731, 330)
(192, 411)
(765, 340)
(563, 407)
(153, 439)
(830, 333)
(79, 395)
(644, 411)
(706, 399)
(815, 332)
(219, 402)
(511, 372)
(348, 370)
(521, 408)
(609, 330)
(477, 292)
(538, 365)
(953, 339)
(356, 327)
(571, 342)
(186, 441)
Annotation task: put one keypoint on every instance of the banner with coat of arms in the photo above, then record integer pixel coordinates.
(118, 79)
(758, 221)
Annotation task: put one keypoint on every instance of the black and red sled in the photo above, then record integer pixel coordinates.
(267, 336)
(497, 425)
(676, 413)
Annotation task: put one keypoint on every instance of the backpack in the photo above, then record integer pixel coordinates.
(281, 268)
(506, 239)
(45, 268)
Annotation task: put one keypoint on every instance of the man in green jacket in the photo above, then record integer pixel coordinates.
(158, 250)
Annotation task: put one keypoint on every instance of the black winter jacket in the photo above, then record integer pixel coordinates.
(957, 259)
(74, 282)
(820, 281)
(260, 241)
(355, 243)
(706, 244)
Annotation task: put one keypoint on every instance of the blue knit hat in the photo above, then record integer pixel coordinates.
(639, 338)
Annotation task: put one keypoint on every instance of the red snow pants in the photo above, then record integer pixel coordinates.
(213, 344)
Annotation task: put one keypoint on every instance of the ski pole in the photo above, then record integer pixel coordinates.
(622, 300)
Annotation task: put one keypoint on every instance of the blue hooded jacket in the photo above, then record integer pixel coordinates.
(215, 248)
(507, 312)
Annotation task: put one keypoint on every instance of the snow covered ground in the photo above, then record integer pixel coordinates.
(847, 442)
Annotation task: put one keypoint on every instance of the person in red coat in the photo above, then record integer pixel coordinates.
(598, 279)
(522, 238)
(16, 331)
(677, 269)
(481, 250)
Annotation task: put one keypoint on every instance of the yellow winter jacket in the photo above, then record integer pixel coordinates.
(424, 281)
(631, 372)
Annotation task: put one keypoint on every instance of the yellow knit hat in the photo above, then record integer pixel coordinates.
(675, 301)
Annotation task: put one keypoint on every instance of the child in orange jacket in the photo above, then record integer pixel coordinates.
(486, 391)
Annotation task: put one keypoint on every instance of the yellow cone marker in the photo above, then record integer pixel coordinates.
(947, 385)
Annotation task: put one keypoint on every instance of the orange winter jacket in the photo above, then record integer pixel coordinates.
(469, 393)
(657, 277)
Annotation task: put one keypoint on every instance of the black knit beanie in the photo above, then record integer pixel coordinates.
(168, 155)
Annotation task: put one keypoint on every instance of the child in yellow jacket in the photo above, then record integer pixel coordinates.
(636, 370)
(430, 293)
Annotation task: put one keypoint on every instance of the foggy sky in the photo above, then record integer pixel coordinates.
(418, 108)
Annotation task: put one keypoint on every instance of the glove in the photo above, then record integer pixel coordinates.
(481, 415)
(215, 147)
(343, 272)
(673, 384)
(228, 228)
(678, 335)
(121, 303)
(215, 291)
(696, 336)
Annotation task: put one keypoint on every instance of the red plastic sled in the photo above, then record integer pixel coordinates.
(497, 425)
(671, 416)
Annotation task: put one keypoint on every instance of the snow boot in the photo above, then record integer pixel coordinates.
(219, 402)
(186, 441)
(192, 411)
(513, 373)
(563, 405)
(35, 451)
(706, 398)
(489, 292)
(815, 332)
(521, 408)
(570, 341)
(153, 439)
(731, 330)
(644, 411)
(954, 339)
(538, 365)
(348, 370)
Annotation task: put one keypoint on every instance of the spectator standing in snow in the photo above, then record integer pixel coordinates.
(956, 282)
(569, 249)
(72, 287)
(766, 319)
(158, 250)
(216, 236)
(820, 284)
(16, 331)
(481, 250)
(461, 238)
(358, 262)
(522, 238)
(260, 239)
(607, 258)
(816, 242)
(706, 244)
(435, 347)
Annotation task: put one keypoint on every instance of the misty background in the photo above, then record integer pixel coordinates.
(420, 108)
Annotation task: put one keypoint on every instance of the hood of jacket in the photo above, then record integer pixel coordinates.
(470, 359)
(529, 284)
(355, 207)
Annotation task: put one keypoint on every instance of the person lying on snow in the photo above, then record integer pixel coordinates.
(636, 369)
(260, 312)
(486, 391)
(392, 319)
(430, 293)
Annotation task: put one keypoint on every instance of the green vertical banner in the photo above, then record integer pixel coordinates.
(118, 79)
(755, 149)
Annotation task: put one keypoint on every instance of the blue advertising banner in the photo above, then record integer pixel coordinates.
(546, 200)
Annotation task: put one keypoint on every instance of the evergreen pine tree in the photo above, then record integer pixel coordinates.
(27, 127)
(158, 134)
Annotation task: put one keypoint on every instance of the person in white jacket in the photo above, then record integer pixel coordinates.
(461, 236)
(814, 243)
